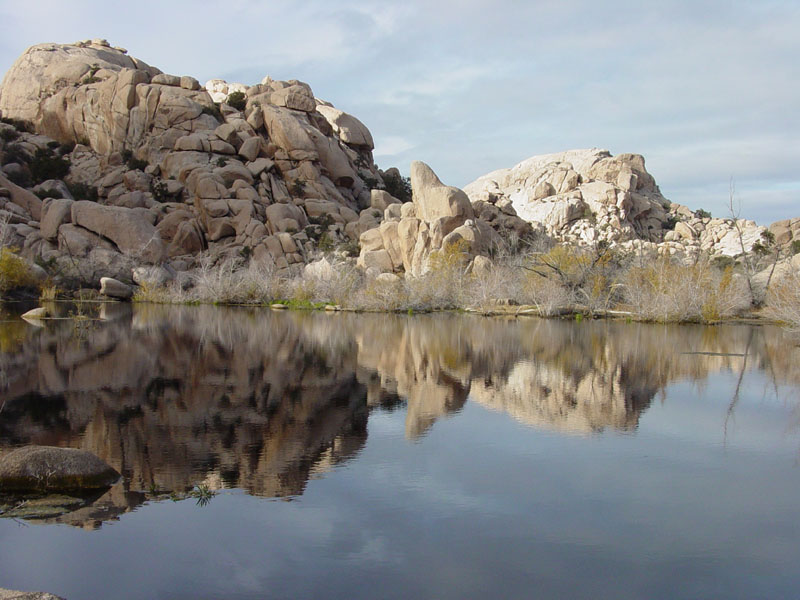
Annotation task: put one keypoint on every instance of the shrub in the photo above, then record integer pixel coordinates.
(66, 148)
(398, 186)
(45, 165)
(9, 135)
(702, 214)
(214, 111)
(82, 191)
(665, 291)
(132, 162)
(13, 153)
(795, 247)
(237, 100)
(14, 272)
(298, 187)
(20, 125)
(48, 193)
(783, 301)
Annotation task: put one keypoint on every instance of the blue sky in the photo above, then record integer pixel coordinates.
(705, 90)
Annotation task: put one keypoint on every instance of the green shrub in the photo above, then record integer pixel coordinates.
(398, 186)
(45, 165)
(133, 163)
(237, 100)
(298, 187)
(18, 124)
(82, 191)
(66, 148)
(795, 246)
(14, 272)
(213, 111)
(9, 135)
(48, 193)
(13, 153)
(702, 214)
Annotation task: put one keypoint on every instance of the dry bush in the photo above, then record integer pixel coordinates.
(14, 272)
(665, 291)
(329, 283)
(230, 282)
(783, 301)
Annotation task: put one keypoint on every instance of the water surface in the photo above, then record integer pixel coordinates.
(434, 456)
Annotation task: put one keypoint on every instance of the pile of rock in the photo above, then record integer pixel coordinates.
(438, 217)
(175, 173)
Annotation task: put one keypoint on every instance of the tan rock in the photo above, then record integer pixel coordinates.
(433, 199)
(131, 233)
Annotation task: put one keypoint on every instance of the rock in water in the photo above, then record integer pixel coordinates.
(47, 468)
(115, 289)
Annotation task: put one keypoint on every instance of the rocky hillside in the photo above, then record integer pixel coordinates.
(134, 165)
(586, 196)
(107, 163)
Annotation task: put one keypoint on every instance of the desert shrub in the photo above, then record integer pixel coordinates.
(298, 187)
(398, 186)
(214, 111)
(82, 191)
(48, 193)
(18, 124)
(9, 135)
(14, 272)
(237, 100)
(66, 148)
(665, 291)
(702, 214)
(783, 301)
(45, 165)
(795, 247)
(13, 153)
(229, 282)
(133, 163)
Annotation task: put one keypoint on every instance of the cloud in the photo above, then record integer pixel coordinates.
(703, 90)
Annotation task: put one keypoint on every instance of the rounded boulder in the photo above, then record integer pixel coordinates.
(47, 468)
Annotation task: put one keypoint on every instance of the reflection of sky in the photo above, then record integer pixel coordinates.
(480, 507)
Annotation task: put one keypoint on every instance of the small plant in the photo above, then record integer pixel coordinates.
(19, 124)
(213, 110)
(398, 186)
(66, 148)
(49, 293)
(90, 78)
(48, 193)
(702, 214)
(795, 247)
(237, 100)
(82, 191)
(222, 161)
(160, 191)
(133, 163)
(203, 494)
(45, 165)
(14, 272)
(669, 224)
(298, 187)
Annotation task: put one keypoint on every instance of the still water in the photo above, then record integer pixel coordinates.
(433, 456)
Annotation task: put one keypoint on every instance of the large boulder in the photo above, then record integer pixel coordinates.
(126, 227)
(47, 468)
(433, 199)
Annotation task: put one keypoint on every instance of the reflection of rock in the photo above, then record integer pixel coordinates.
(15, 595)
(262, 400)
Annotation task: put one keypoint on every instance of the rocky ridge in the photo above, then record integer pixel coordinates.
(109, 164)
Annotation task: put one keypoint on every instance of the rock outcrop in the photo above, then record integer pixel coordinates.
(439, 218)
(176, 173)
(588, 196)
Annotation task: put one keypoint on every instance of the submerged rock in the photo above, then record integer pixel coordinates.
(53, 469)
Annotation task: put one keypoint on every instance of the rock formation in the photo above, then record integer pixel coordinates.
(175, 174)
(588, 196)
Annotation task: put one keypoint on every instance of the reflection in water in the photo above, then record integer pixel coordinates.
(259, 400)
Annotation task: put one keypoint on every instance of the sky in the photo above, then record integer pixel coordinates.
(708, 91)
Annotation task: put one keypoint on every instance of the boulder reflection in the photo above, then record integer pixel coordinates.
(175, 396)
